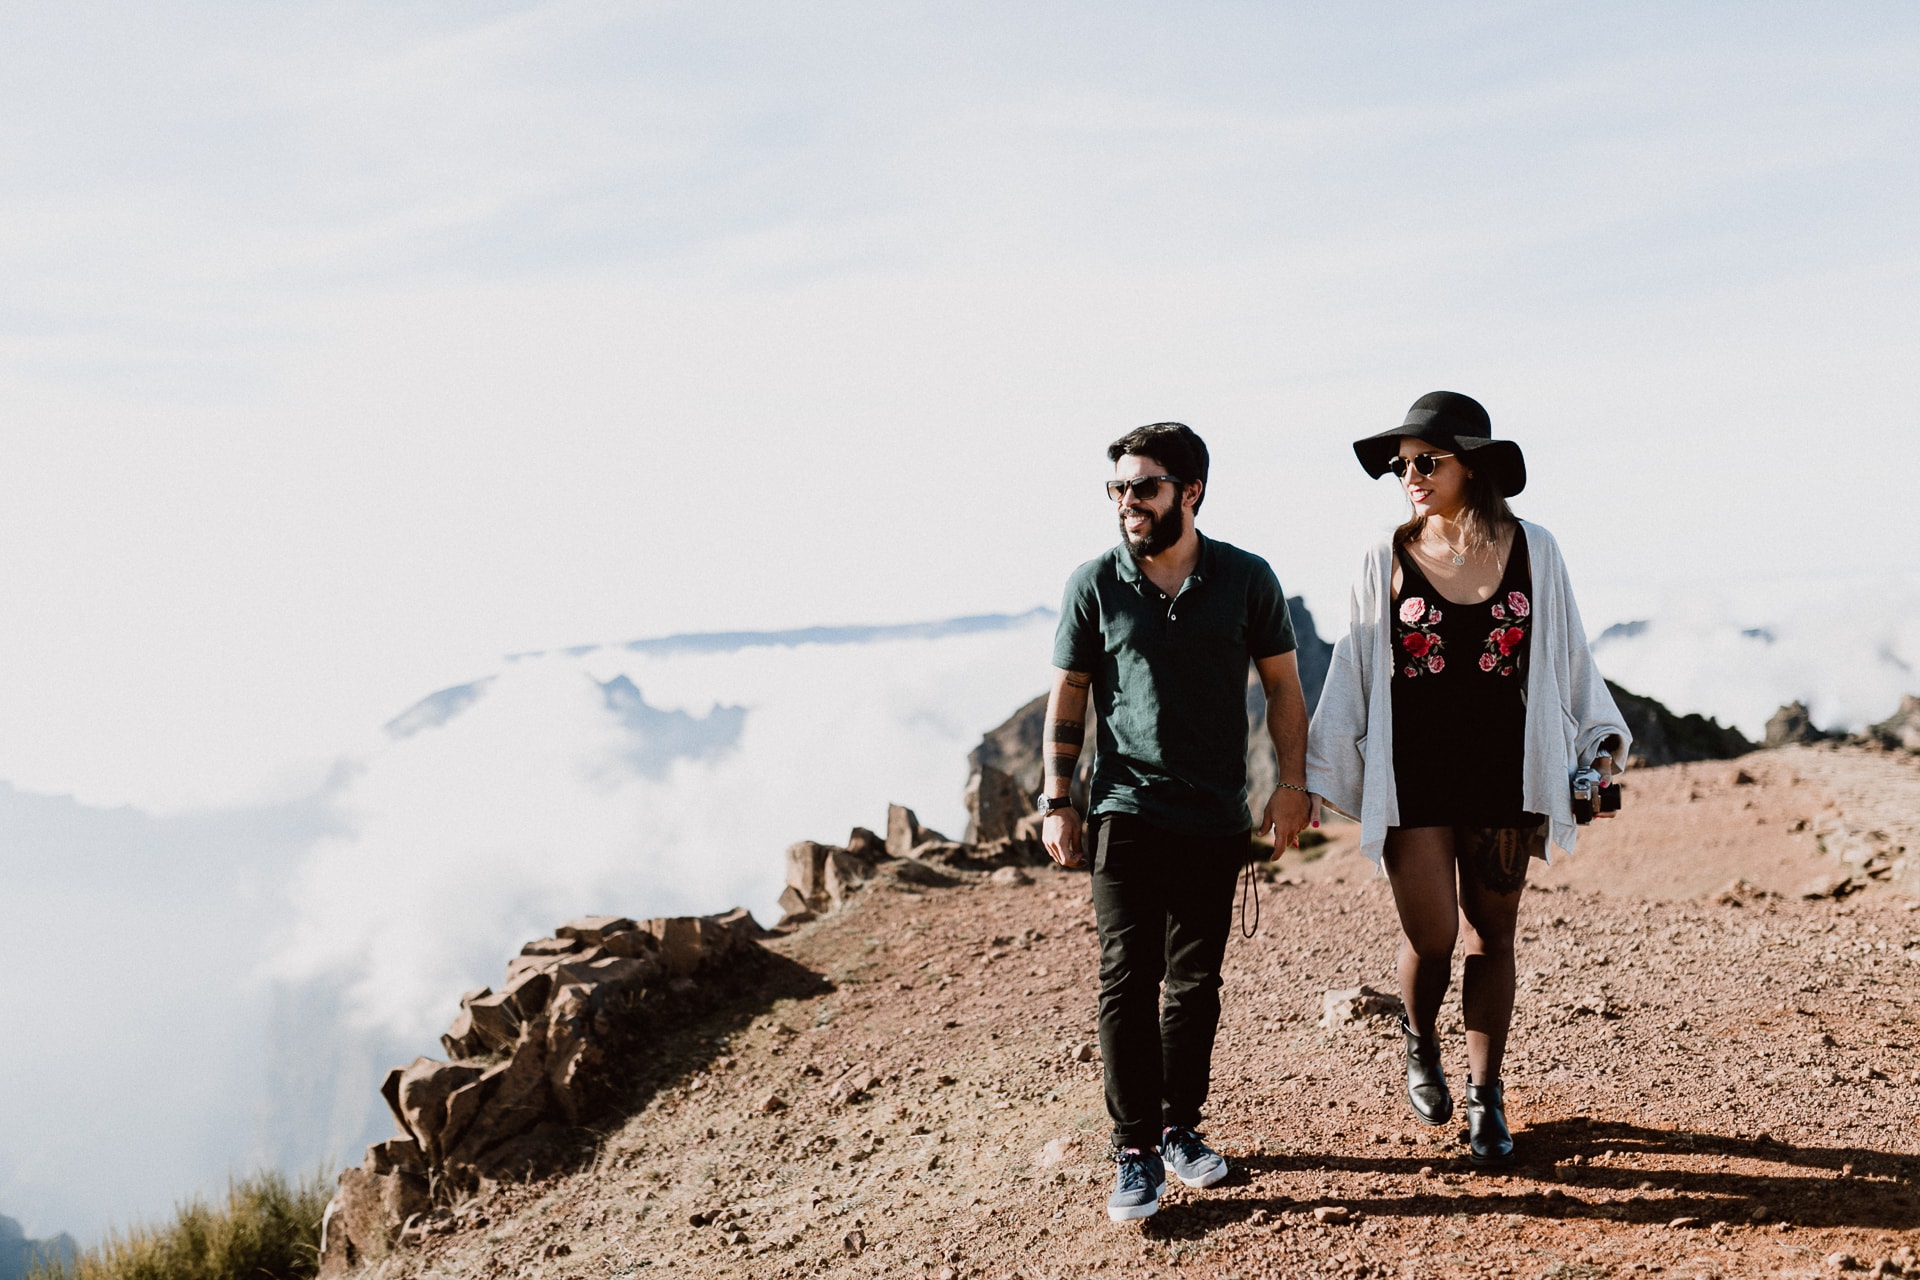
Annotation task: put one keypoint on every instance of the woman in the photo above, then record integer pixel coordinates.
(1459, 704)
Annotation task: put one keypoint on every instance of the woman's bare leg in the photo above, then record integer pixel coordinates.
(1486, 983)
(1420, 867)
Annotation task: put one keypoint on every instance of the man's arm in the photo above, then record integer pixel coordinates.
(1060, 746)
(1290, 808)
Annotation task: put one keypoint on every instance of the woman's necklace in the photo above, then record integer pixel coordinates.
(1459, 555)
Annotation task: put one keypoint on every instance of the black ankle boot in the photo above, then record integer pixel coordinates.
(1487, 1137)
(1427, 1089)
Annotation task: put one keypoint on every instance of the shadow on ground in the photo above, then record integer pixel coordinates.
(1803, 1185)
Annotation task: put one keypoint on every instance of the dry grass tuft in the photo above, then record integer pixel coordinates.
(268, 1229)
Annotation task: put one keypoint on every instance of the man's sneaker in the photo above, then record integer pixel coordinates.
(1192, 1161)
(1138, 1183)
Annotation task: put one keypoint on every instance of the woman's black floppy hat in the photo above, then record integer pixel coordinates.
(1455, 424)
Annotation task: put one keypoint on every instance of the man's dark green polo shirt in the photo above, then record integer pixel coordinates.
(1170, 681)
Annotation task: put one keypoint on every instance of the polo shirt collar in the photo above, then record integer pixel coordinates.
(1129, 568)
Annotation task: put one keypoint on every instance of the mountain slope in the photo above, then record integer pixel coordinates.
(1740, 1066)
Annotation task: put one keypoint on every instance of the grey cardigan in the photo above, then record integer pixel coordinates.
(1569, 711)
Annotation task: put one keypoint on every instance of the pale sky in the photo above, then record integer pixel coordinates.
(347, 347)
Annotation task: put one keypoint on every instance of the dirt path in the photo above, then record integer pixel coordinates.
(1699, 1087)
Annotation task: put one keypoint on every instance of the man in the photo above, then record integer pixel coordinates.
(1157, 634)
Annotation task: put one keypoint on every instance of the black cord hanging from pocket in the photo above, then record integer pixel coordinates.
(1248, 889)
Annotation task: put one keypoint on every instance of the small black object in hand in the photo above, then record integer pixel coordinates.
(1590, 798)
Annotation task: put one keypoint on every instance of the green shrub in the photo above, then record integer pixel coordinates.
(268, 1229)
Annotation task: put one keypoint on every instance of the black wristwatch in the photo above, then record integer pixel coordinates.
(1053, 804)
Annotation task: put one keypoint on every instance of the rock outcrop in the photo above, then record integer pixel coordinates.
(822, 877)
(997, 803)
(1792, 725)
(1662, 737)
(525, 1065)
(1003, 773)
(1901, 730)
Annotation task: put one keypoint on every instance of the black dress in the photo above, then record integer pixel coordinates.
(1459, 699)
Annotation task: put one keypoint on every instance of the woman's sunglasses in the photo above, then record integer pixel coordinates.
(1424, 463)
(1145, 488)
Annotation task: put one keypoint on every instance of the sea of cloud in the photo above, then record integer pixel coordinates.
(630, 782)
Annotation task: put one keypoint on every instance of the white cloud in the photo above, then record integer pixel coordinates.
(525, 809)
(1846, 645)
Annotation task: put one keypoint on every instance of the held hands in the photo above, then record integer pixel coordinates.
(1060, 832)
(1606, 761)
(1288, 813)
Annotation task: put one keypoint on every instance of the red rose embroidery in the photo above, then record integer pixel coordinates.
(1510, 638)
(1518, 603)
(1419, 641)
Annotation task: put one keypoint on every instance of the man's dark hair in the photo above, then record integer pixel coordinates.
(1171, 444)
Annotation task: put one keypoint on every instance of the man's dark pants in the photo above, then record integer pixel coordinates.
(1164, 905)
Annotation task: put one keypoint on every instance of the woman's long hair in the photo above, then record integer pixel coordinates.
(1485, 513)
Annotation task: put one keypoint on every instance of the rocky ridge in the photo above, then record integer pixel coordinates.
(526, 1066)
(1714, 1071)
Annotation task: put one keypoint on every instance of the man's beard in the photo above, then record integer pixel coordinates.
(1162, 531)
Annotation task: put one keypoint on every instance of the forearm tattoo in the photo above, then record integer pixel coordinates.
(1065, 735)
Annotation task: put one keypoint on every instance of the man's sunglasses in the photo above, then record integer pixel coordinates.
(1145, 488)
(1424, 463)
